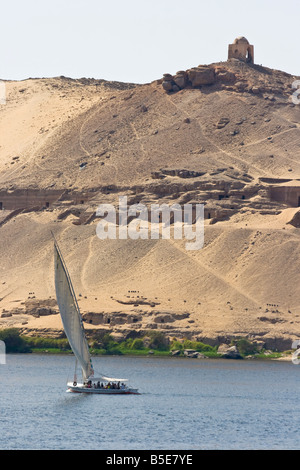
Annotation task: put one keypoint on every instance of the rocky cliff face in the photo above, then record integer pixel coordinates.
(235, 76)
(223, 135)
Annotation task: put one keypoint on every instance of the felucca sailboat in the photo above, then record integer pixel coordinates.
(73, 326)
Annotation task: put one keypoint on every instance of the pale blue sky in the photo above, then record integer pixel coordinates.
(137, 40)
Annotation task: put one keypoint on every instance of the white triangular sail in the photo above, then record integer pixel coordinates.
(70, 314)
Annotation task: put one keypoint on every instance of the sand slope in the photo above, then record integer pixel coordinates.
(110, 139)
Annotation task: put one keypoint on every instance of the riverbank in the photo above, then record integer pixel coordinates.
(137, 353)
(152, 344)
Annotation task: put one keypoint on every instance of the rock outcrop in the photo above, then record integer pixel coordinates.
(232, 75)
(195, 77)
(295, 220)
(229, 352)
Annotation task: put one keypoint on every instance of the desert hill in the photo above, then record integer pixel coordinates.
(225, 135)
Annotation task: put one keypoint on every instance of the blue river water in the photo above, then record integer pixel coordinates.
(189, 404)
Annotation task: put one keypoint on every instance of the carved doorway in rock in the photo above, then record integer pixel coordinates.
(249, 57)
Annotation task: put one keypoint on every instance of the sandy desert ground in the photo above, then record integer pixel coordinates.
(69, 145)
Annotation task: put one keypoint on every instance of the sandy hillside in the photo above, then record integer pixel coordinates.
(69, 145)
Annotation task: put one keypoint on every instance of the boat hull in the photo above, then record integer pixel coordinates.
(102, 391)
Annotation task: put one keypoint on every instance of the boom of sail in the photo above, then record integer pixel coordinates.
(70, 314)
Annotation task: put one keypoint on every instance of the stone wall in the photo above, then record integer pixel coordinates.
(35, 199)
(289, 195)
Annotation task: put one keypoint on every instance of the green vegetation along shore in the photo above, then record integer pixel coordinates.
(153, 343)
